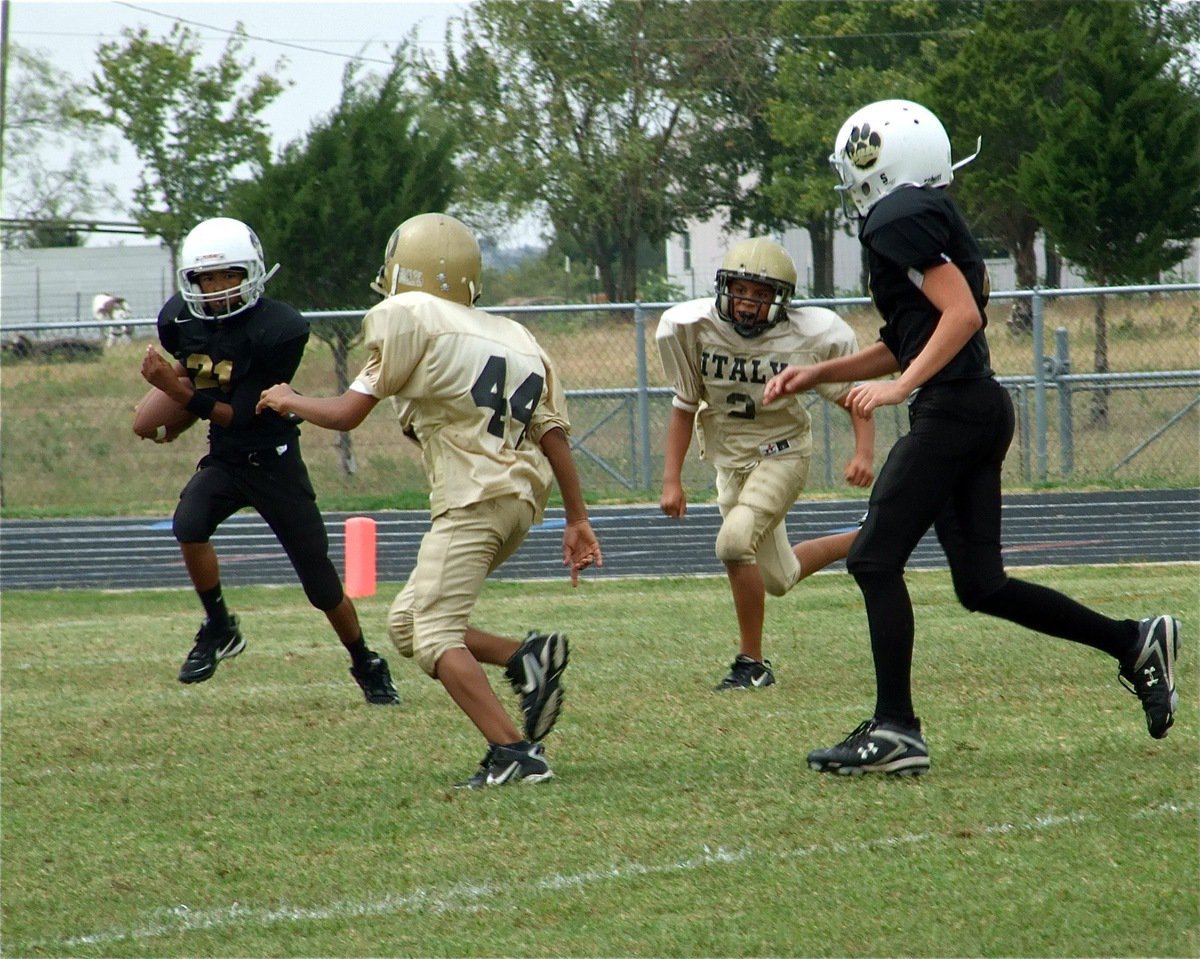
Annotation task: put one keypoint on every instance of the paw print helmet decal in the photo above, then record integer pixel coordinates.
(887, 145)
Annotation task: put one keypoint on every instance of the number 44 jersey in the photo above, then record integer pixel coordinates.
(477, 390)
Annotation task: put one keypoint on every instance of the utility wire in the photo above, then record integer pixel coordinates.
(805, 38)
(250, 36)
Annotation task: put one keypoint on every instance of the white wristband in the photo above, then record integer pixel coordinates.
(160, 434)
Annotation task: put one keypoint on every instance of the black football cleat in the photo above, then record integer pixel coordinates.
(875, 747)
(211, 647)
(1149, 672)
(535, 672)
(478, 779)
(375, 681)
(521, 762)
(745, 672)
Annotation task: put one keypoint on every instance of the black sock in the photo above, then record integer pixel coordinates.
(360, 652)
(1046, 611)
(890, 620)
(214, 607)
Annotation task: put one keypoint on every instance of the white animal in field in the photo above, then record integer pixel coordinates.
(108, 308)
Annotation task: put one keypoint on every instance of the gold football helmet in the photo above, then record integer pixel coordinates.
(762, 261)
(434, 253)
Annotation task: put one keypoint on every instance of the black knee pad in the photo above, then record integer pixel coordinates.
(867, 579)
(322, 585)
(859, 565)
(976, 595)
(863, 560)
(190, 525)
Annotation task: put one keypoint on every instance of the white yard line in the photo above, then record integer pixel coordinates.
(472, 897)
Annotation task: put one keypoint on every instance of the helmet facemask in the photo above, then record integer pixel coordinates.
(220, 304)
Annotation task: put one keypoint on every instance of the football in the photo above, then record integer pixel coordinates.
(158, 417)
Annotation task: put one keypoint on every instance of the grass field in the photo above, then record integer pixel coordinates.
(269, 812)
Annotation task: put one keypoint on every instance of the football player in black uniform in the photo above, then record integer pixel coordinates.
(929, 282)
(232, 343)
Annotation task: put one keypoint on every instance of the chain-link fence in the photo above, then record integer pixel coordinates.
(62, 284)
(66, 444)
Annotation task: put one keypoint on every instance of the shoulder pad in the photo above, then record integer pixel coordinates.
(685, 314)
(272, 321)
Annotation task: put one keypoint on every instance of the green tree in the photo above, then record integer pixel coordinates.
(598, 116)
(733, 51)
(1116, 182)
(41, 121)
(992, 86)
(326, 207)
(837, 57)
(195, 128)
(544, 276)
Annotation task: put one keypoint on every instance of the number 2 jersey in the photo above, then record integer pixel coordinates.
(708, 363)
(477, 390)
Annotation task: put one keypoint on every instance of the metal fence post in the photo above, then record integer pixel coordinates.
(827, 431)
(643, 392)
(1039, 383)
(1023, 427)
(1066, 434)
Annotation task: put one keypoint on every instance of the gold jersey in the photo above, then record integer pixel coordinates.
(476, 389)
(711, 366)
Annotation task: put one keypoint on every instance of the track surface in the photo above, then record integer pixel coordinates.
(1063, 529)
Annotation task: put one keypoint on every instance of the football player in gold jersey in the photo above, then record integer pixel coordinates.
(484, 401)
(718, 355)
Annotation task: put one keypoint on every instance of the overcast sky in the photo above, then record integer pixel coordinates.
(316, 40)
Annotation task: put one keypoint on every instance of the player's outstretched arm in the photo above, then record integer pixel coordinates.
(876, 360)
(946, 288)
(342, 413)
(581, 549)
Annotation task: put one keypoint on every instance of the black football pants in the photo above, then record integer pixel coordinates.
(945, 473)
(278, 487)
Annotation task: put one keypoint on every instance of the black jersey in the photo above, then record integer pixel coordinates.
(233, 360)
(904, 234)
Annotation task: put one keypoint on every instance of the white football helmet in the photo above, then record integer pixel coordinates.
(887, 145)
(434, 253)
(222, 244)
(762, 261)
